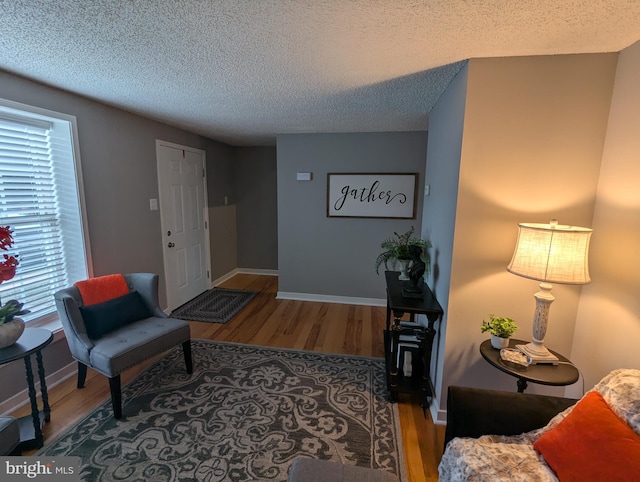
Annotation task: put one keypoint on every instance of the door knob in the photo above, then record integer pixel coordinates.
(171, 245)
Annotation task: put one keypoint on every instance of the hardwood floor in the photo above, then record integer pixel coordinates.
(324, 327)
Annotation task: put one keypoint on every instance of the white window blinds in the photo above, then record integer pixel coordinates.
(39, 200)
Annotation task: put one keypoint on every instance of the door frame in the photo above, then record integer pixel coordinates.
(205, 214)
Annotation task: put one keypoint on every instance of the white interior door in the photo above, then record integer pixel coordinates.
(182, 192)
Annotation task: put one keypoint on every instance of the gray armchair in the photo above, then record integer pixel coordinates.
(113, 336)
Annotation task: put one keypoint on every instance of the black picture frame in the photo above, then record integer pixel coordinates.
(372, 195)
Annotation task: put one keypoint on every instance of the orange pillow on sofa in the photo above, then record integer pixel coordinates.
(101, 289)
(591, 444)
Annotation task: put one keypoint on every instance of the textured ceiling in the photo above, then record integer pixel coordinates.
(242, 71)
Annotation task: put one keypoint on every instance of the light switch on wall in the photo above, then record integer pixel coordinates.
(153, 204)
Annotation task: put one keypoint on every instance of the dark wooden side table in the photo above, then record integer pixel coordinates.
(421, 336)
(562, 374)
(33, 340)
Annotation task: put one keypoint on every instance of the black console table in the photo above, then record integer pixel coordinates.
(33, 340)
(416, 338)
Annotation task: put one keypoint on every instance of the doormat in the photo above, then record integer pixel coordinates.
(218, 305)
(246, 413)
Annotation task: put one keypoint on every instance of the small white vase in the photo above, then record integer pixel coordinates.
(404, 268)
(10, 332)
(499, 343)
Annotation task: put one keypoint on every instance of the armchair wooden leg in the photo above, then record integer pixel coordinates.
(116, 396)
(82, 374)
(186, 349)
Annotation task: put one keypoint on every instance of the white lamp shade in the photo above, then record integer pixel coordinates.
(552, 253)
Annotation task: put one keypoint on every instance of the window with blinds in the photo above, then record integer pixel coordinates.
(40, 199)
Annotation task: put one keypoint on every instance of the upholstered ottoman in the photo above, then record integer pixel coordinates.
(9, 435)
(311, 470)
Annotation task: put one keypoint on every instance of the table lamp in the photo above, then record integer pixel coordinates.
(550, 253)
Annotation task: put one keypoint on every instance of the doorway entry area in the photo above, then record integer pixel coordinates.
(183, 210)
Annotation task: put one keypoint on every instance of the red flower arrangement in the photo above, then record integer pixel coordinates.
(8, 265)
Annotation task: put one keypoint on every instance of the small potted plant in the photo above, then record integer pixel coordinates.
(397, 249)
(501, 329)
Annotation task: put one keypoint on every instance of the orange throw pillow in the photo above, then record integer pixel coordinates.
(591, 444)
(101, 289)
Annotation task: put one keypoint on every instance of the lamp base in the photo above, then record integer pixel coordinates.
(538, 354)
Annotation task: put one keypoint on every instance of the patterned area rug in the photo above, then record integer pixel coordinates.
(218, 305)
(245, 413)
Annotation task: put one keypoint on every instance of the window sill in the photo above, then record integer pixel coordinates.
(55, 326)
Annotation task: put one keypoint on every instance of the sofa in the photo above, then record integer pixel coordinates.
(501, 436)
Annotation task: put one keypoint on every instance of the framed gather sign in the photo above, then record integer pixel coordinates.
(372, 195)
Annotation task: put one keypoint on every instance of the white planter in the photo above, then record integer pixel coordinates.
(404, 268)
(10, 332)
(499, 343)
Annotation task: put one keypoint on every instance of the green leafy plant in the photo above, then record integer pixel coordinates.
(397, 247)
(499, 326)
(10, 310)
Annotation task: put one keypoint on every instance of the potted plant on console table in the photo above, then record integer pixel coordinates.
(501, 329)
(397, 249)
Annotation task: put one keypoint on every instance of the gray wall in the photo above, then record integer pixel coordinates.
(335, 256)
(118, 155)
(446, 122)
(222, 215)
(256, 200)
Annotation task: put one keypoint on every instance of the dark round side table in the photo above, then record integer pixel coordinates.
(562, 374)
(33, 340)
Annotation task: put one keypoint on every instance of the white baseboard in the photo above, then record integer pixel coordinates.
(287, 295)
(22, 398)
(438, 416)
(346, 300)
(264, 272)
(232, 273)
(223, 278)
